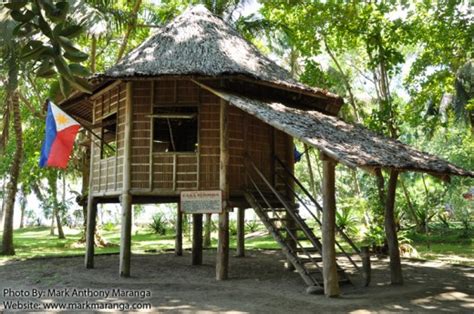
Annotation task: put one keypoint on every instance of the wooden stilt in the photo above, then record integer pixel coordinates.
(366, 267)
(126, 235)
(197, 240)
(178, 247)
(391, 231)
(240, 232)
(126, 198)
(331, 281)
(222, 263)
(207, 231)
(90, 236)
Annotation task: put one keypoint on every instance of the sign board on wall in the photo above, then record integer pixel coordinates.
(201, 202)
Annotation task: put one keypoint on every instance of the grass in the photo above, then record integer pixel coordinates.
(37, 242)
(451, 245)
(448, 245)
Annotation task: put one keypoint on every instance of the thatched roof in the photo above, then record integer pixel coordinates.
(200, 43)
(352, 145)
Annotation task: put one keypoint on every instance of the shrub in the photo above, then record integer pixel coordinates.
(108, 226)
(158, 225)
(375, 236)
(252, 225)
(233, 227)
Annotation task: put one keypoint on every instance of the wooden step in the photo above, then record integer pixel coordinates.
(307, 249)
(275, 209)
(279, 219)
(306, 260)
(283, 229)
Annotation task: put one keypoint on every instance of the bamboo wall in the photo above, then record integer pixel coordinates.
(165, 173)
(107, 173)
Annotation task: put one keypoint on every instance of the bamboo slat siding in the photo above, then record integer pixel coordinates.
(141, 126)
(209, 141)
(174, 172)
(107, 173)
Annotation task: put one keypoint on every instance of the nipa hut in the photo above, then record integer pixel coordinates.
(197, 108)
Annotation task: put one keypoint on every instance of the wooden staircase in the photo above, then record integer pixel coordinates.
(302, 248)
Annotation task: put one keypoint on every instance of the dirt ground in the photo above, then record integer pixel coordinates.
(257, 284)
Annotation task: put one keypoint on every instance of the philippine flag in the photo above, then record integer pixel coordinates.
(60, 134)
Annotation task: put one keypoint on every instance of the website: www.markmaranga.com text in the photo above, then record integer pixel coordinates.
(78, 306)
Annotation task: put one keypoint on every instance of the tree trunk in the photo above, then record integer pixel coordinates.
(391, 232)
(22, 213)
(51, 228)
(2, 209)
(381, 192)
(130, 28)
(93, 53)
(345, 80)
(56, 215)
(409, 203)
(7, 241)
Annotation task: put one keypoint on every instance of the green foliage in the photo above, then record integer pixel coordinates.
(374, 236)
(109, 226)
(159, 224)
(252, 225)
(46, 57)
(445, 29)
(233, 227)
(347, 221)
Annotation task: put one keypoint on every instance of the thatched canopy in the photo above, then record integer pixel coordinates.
(350, 144)
(199, 43)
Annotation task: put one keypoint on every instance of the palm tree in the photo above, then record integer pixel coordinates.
(10, 52)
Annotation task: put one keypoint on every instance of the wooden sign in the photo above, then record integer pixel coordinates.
(201, 202)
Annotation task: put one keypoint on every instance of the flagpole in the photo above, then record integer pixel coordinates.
(97, 136)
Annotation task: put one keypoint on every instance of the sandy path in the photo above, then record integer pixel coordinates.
(258, 284)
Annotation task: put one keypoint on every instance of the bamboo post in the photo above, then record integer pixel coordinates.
(331, 281)
(391, 231)
(152, 132)
(240, 232)
(126, 198)
(197, 240)
(91, 210)
(207, 231)
(178, 247)
(366, 267)
(222, 263)
(90, 235)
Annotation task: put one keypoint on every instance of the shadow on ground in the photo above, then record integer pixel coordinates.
(257, 284)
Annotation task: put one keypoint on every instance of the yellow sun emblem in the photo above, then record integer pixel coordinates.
(61, 119)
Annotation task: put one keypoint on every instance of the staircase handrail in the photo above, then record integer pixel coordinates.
(305, 191)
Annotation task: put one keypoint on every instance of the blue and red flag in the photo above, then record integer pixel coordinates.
(61, 131)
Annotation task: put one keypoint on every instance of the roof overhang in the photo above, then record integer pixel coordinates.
(350, 144)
